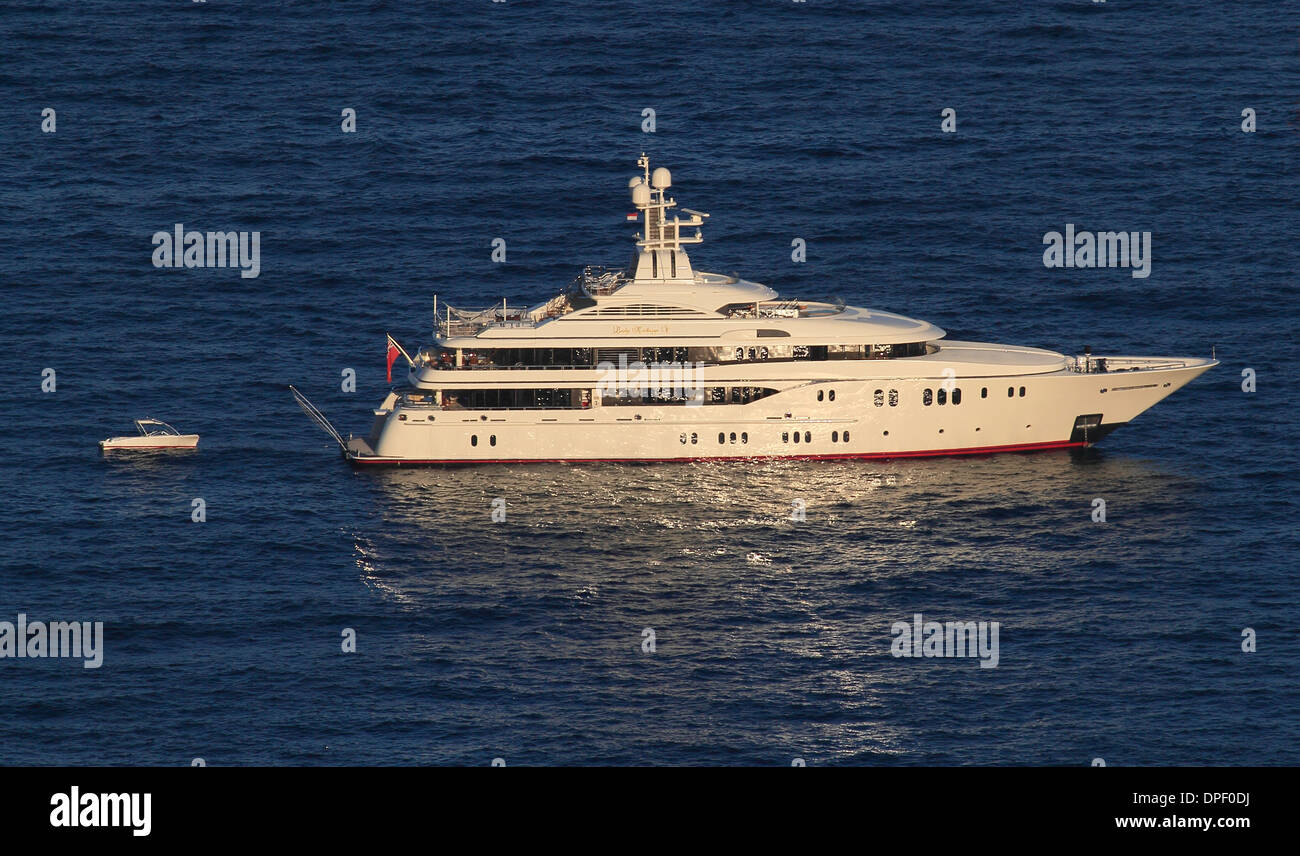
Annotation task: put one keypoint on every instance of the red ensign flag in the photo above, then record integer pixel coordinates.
(393, 351)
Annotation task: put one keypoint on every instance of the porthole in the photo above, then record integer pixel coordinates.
(695, 438)
(785, 436)
(744, 437)
(1022, 392)
(682, 437)
(886, 433)
(893, 398)
(807, 436)
(831, 395)
(733, 436)
(943, 396)
(835, 436)
(796, 436)
(473, 439)
(846, 436)
(492, 440)
(956, 396)
(1011, 391)
(722, 438)
(821, 395)
(927, 398)
(878, 398)
(940, 430)
(984, 392)
(401, 417)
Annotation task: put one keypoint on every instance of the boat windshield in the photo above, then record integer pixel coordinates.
(154, 428)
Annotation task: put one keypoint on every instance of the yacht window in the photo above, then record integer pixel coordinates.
(821, 394)
(785, 436)
(473, 439)
(984, 392)
(492, 440)
(927, 398)
(1022, 392)
(879, 398)
(846, 436)
(893, 398)
(831, 396)
(796, 436)
(722, 438)
(682, 437)
(1011, 391)
(943, 396)
(807, 436)
(835, 436)
(744, 437)
(695, 438)
(733, 436)
(956, 396)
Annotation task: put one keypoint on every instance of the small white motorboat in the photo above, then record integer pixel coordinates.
(153, 435)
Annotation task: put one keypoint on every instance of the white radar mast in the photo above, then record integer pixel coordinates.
(660, 257)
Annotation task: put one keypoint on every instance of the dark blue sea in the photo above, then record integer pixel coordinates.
(522, 640)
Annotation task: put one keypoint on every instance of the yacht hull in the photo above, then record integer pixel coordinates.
(1016, 413)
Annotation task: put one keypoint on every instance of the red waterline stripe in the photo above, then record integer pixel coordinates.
(877, 456)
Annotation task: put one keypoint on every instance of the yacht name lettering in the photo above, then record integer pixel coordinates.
(194, 249)
(1098, 249)
(639, 331)
(82, 639)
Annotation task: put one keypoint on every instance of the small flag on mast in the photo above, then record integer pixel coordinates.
(631, 217)
(394, 350)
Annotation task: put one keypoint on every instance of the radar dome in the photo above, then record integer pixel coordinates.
(634, 181)
(640, 195)
(661, 179)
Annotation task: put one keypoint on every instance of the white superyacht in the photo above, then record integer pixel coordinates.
(661, 362)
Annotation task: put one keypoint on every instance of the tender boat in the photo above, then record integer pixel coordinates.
(662, 362)
(154, 434)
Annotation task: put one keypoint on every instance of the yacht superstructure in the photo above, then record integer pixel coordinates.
(661, 362)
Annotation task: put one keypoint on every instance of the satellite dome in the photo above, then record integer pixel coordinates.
(634, 181)
(661, 179)
(640, 194)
